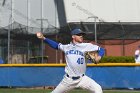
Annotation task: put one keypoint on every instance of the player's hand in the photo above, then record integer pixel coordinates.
(40, 35)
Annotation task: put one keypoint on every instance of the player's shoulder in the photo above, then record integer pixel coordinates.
(64, 45)
(89, 44)
(90, 47)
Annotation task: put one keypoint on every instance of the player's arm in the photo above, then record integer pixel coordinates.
(96, 55)
(50, 42)
(101, 51)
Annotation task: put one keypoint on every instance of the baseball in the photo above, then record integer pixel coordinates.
(38, 34)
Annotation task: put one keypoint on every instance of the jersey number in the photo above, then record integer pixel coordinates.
(80, 60)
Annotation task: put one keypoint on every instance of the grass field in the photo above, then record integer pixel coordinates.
(14, 90)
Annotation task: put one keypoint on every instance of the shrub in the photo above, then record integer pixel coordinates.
(117, 59)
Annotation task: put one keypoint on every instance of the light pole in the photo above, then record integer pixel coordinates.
(9, 32)
(41, 27)
(123, 39)
(42, 44)
(95, 27)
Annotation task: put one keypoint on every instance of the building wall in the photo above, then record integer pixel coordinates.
(54, 56)
(120, 50)
(110, 50)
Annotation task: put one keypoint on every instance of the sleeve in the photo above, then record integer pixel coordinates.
(51, 43)
(61, 47)
(101, 51)
(91, 47)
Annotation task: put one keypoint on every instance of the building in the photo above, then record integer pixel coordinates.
(113, 24)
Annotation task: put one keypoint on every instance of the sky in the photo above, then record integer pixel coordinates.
(28, 12)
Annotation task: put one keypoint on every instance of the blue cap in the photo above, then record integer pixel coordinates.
(77, 31)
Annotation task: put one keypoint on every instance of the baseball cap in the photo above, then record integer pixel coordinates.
(77, 31)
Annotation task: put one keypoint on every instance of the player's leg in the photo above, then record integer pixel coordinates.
(65, 85)
(90, 84)
(62, 88)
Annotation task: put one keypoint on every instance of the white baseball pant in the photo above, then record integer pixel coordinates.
(84, 82)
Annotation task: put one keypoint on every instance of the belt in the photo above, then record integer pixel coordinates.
(75, 78)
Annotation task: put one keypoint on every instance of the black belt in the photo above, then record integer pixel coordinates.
(74, 78)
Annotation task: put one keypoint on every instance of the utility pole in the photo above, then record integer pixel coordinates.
(95, 27)
(123, 39)
(41, 20)
(42, 44)
(10, 27)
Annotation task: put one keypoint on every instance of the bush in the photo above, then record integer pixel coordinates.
(117, 59)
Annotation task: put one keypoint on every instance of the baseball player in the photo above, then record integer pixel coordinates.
(75, 63)
(137, 55)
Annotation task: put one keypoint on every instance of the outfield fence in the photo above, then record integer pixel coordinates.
(108, 75)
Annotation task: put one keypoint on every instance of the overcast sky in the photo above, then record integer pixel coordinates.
(76, 11)
(20, 12)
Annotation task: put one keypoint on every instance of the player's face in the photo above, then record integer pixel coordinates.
(78, 38)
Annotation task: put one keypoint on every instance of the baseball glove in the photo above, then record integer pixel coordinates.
(93, 56)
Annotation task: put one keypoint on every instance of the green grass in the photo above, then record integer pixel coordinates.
(14, 90)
